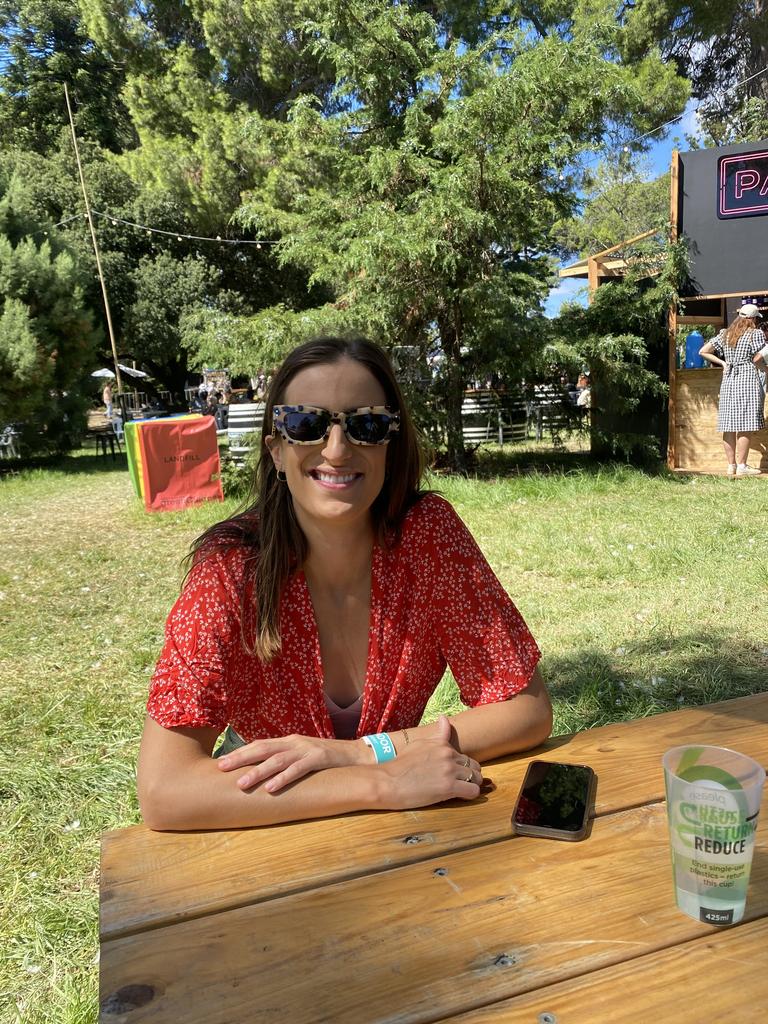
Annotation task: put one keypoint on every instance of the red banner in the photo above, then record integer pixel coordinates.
(179, 463)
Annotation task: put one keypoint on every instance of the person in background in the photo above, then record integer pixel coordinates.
(584, 389)
(740, 406)
(212, 405)
(315, 625)
(106, 397)
(225, 401)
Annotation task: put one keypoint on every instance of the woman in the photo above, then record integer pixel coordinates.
(740, 408)
(317, 623)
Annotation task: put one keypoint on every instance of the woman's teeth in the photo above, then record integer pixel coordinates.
(335, 478)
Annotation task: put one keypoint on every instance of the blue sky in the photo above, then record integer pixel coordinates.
(658, 160)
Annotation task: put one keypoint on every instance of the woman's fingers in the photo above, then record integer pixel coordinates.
(272, 766)
(251, 753)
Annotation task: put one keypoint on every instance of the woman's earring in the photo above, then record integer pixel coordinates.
(281, 476)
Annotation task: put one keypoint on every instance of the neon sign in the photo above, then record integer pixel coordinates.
(742, 185)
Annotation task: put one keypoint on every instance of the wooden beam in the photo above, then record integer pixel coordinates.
(718, 321)
(672, 326)
(575, 270)
(592, 277)
(723, 295)
(625, 243)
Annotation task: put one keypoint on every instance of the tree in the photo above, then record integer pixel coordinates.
(165, 288)
(618, 204)
(47, 338)
(714, 45)
(622, 337)
(44, 45)
(426, 205)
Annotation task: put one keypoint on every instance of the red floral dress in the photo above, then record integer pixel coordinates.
(434, 600)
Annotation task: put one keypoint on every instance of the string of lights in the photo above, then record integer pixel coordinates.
(218, 239)
(180, 235)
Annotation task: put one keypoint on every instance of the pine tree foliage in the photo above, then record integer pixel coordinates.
(47, 338)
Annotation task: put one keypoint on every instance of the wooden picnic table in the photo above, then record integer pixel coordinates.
(441, 914)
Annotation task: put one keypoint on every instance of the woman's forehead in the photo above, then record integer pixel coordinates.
(343, 384)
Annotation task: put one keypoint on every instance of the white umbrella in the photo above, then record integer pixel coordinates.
(131, 372)
(102, 373)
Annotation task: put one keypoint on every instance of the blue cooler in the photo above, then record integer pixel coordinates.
(694, 341)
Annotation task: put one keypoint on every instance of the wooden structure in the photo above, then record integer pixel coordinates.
(440, 914)
(694, 444)
(728, 267)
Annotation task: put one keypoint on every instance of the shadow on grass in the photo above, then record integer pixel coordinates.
(488, 462)
(592, 687)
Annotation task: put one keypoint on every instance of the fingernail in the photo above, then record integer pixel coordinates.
(269, 786)
(243, 781)
(224, 762)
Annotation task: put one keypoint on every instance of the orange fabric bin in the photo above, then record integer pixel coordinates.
(179, 463)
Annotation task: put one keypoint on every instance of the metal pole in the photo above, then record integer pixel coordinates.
(95, 244)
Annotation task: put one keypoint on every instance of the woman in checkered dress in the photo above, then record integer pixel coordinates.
(742, 394)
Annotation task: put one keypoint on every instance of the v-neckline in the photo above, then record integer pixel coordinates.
(373, 613)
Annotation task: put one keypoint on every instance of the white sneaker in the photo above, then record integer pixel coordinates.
(748, 471)
(731, 469)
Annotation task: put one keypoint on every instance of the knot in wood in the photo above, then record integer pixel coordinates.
(127, 998)
(504, 960)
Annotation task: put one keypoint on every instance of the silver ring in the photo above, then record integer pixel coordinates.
(470, 777)
(466, 762)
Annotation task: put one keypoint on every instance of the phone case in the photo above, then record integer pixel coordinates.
(546, 832)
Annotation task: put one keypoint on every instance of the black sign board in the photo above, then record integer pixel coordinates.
(742, 185)
(728, 253)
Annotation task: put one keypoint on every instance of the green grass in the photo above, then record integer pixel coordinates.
(645, 593)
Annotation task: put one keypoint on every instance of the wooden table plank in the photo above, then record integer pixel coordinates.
(151, 878)
(424, 941)
(718, 978)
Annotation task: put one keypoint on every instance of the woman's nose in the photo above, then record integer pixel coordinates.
(337, 443)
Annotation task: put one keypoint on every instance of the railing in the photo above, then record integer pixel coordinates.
(244, 419)
(498, 417)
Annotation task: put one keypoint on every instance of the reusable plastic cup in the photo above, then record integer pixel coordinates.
(713, 801)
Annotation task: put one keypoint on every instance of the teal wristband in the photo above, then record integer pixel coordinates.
(382, 746)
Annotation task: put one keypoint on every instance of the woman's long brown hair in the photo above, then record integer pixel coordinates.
(740, 326)
(267, 528)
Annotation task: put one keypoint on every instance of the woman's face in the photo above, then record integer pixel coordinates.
(333, 482)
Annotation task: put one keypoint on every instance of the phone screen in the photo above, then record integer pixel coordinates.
(555, 797)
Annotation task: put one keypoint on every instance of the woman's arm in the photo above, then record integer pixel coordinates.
(181, 787)
(481, 733)
(491, 730)
(707, 352)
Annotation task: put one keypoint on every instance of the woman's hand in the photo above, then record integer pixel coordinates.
(431, 771)
(281, 761)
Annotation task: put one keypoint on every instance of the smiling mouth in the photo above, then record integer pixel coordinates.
(334, 479)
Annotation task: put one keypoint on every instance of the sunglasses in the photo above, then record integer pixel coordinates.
(310, 424)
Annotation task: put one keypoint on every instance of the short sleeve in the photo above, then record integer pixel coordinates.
(483, 637)
(717, 345)
(189, 684)
(757, 341)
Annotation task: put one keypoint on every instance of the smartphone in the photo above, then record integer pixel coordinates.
(555, 801)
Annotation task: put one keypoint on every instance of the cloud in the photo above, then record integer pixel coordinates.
(570, 289)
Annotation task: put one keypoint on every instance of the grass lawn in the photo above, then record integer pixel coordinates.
(645, 593)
